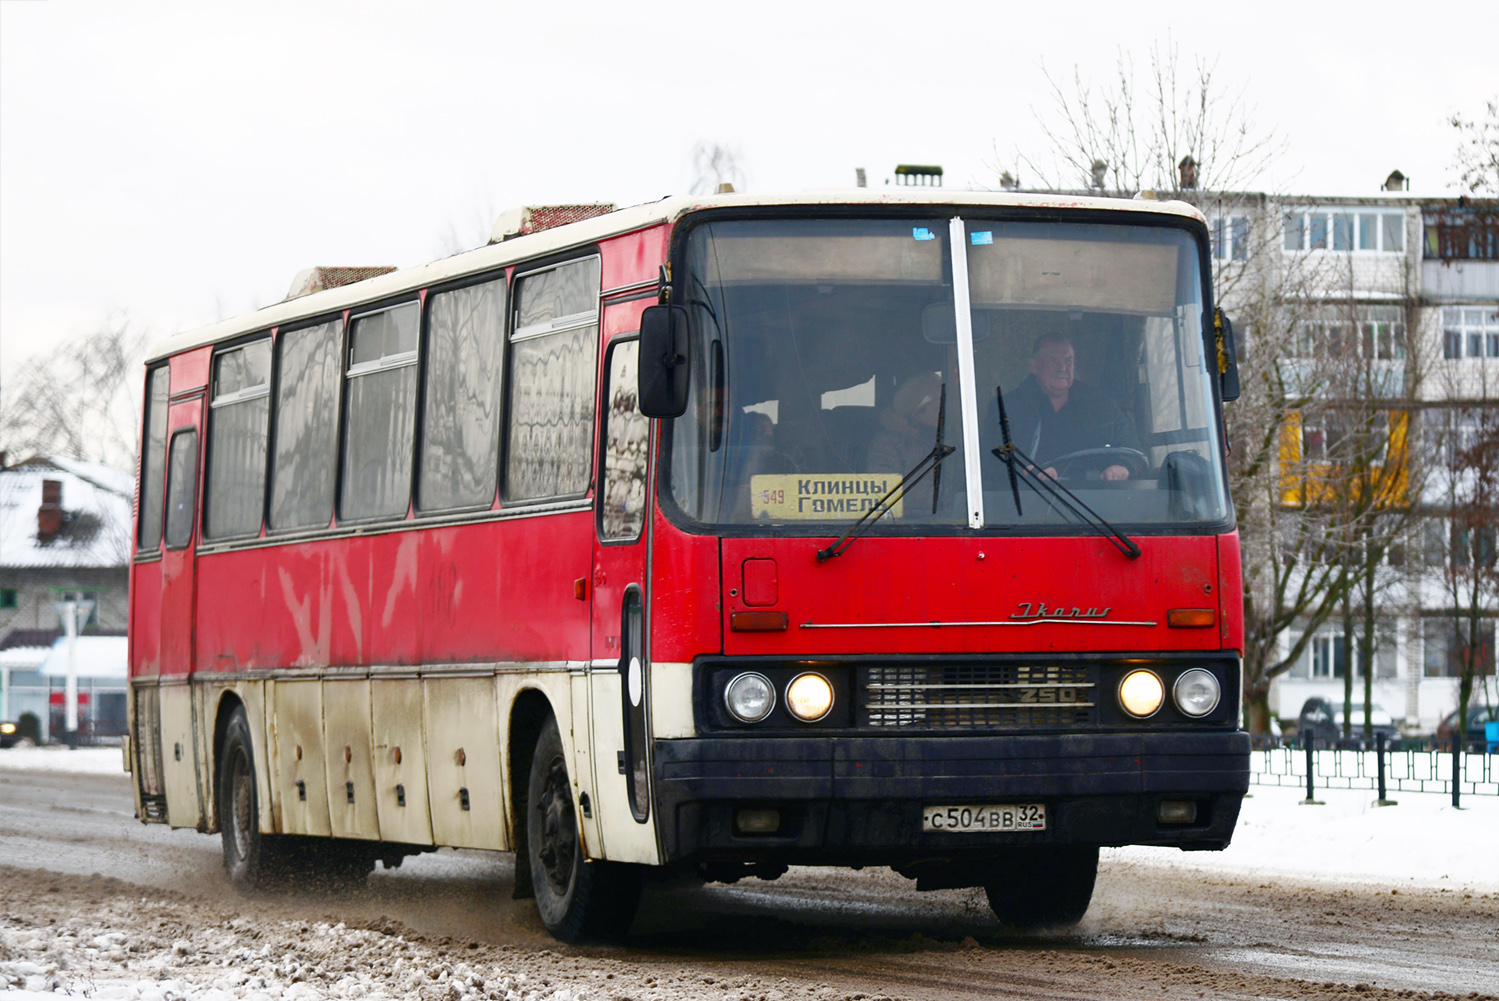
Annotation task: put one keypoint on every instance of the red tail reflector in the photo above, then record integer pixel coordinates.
(580, 589)
(758, 622)
(1191, 618)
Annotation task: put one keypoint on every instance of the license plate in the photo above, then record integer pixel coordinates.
(967, 819)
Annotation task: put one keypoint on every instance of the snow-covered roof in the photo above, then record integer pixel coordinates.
(24, 658)
(94, 657)
(96, 502)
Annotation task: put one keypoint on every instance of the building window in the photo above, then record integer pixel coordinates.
(1463, 234)
(1470, 332)
(9, 597)
(1473, 545)
(1352, 330)
(1344, 230)
(1327, 656)
(1446, 646)
(1230, 238)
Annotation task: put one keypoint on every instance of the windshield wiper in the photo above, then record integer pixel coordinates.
(1058, 497)
(1007, 450)
(929, 462)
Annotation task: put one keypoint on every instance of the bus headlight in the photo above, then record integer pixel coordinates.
(809, 697)
(1196, 692)
(1141, 693)
(750, 697)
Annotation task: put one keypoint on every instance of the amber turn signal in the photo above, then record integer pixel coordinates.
(758, 622)
(1191, 618)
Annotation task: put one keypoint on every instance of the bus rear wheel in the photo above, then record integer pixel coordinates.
(1038, 888)
(576, 897)
(253, 860)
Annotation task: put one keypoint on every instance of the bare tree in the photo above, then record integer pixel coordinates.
(80, 400)
(1467, 452)
(1478, 153)
(715, 164)
(1122, 138)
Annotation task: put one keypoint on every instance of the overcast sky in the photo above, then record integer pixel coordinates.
(181, 162)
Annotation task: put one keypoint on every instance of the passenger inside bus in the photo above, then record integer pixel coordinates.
(908, 426)
(1053, 415)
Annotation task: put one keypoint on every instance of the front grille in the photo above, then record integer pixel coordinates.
(978, 695)
(154, 807)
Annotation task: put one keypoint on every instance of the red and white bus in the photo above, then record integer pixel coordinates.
(692, 536)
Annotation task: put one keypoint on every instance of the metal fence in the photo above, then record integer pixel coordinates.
(1405, 770)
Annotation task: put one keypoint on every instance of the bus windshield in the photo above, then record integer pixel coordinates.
(826, 365)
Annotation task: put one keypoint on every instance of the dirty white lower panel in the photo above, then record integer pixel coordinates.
(300, 781)
(399, 755)
(178, 757)
(671, 701)
(585, 773)
(464, 783)
(351, 775)
(628, 840)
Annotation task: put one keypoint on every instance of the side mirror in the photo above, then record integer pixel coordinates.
(664, 357)
(1228, 358)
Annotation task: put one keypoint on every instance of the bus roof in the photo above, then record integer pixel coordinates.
(636, 217)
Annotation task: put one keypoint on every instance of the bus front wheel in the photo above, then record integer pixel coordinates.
(1038, 888)
(577, 897)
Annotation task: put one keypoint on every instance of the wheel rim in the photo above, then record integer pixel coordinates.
(559, 831)
(241, 789)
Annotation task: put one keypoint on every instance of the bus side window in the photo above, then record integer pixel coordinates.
(234, 496)
(461, 415)
(182, 488)
(626, 436)
(153, 459)
(306, 426)
(380, 414)
(553, 365)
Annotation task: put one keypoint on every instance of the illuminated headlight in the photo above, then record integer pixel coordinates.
(750, 697)
(1196, 692)
(7, 728)
(809, 697)
(1141, 693)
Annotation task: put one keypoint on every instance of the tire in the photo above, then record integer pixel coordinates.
(253, 860)
(576, 898)
(1038, 888)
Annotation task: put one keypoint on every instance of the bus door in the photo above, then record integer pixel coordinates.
(619, 690)
(179, 746)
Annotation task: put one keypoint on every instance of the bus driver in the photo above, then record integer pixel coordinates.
(1052, 415)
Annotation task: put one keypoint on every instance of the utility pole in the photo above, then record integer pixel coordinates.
(70, 611)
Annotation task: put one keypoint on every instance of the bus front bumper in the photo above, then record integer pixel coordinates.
(855, 800)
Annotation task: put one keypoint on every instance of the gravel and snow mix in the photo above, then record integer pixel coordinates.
(103, 939)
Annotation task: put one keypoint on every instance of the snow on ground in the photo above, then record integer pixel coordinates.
(53, 758)
(135, 955)
(1420, 841)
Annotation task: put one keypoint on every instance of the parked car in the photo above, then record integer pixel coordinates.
(1478, 715)
(1323, 721)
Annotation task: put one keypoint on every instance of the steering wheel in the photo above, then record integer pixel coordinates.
(1098, 459)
